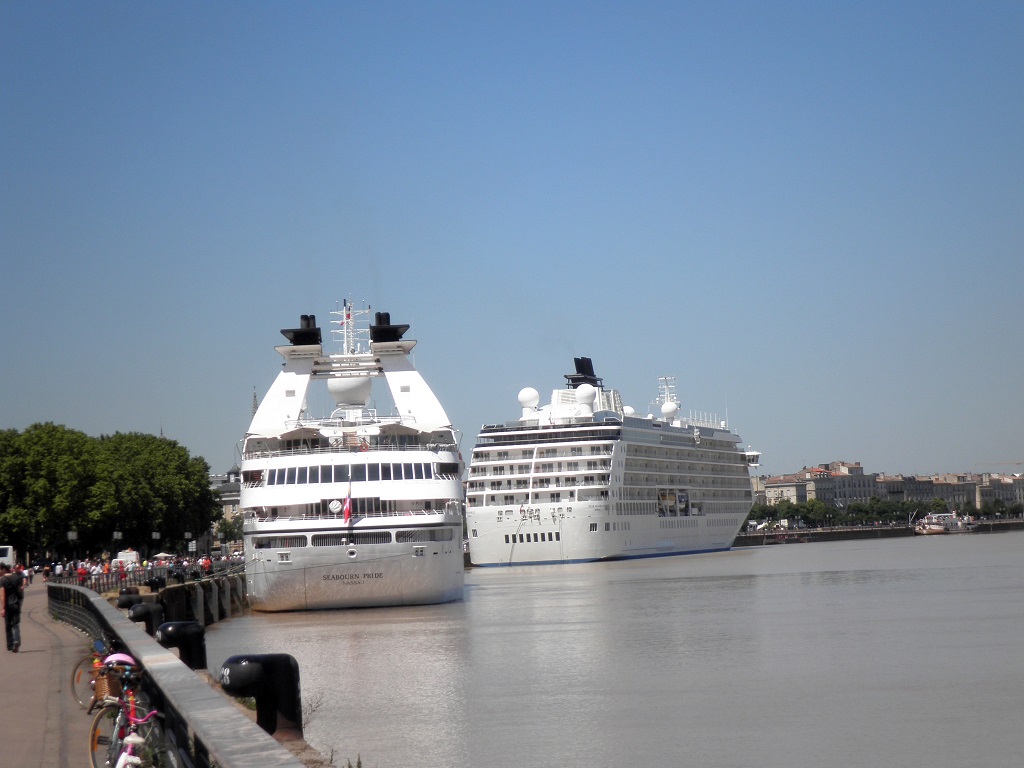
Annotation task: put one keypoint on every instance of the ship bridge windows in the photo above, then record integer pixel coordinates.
(279, 542)
(424, 534)
(344, 473)
(351, 537)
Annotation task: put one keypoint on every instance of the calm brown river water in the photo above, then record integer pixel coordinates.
(897, 652)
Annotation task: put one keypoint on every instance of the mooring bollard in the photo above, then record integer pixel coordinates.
(127, 601)
(188, 637)
(150, 613)
(128, 591)
(273, 680)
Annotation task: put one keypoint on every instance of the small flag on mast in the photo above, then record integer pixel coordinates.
(348, 503)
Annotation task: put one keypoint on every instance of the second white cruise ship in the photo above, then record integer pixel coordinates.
(585, 478)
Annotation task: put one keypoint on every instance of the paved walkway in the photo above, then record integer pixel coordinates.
(42, 726)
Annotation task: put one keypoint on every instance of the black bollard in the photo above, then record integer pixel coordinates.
(155, 583)
(188, 637)
(273, 679)
(129, 591)
(151, 613)
(127, 601)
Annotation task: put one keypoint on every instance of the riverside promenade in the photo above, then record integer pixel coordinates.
(42, 726)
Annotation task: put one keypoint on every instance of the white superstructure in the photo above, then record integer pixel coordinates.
(352, 509)
(584, 478)
(945, 522)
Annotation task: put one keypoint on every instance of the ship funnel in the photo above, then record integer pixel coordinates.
(306, 334)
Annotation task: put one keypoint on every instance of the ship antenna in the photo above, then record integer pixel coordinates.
(346, 334)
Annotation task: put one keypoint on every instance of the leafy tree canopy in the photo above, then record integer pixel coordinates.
(54, 480)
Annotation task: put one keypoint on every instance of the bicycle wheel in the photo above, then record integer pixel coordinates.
(81, 681)
(105, 736)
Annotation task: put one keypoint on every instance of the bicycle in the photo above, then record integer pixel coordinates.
(133, 744)
(119, 718)
(86, 671)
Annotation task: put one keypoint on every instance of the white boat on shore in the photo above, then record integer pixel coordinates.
(353, 509)
(944, 522)
(585, 478)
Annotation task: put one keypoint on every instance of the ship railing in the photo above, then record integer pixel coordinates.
(265, 518)
(372, 444)
(564, 421)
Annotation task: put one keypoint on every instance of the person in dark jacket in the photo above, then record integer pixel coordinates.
(11, 592)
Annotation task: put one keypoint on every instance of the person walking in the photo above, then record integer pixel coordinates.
(11, 591)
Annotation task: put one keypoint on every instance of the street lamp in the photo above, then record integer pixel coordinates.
(117, 535)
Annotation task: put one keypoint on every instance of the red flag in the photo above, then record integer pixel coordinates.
(348, 506)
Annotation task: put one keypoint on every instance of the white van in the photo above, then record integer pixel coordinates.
(8, 555)
(129, 558)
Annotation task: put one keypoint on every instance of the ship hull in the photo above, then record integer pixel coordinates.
(356, 575)
(540, 536)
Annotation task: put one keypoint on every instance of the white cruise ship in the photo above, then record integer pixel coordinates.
(585, 478)
(352, 509)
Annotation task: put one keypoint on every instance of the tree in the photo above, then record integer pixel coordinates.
(158, 487)
(231, 527)
(815, 511)
(47, 474)
(54, 480)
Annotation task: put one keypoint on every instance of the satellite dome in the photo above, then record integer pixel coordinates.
(529, 397)
(350, 390)
(586, 394)
(668, 410)
(629, 410)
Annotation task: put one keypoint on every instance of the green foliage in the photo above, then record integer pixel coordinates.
(231, 528)
(815, 513)
(54, 480)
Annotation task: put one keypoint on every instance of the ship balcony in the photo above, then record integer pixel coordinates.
(374, 443)
(545, 484)
(276, 515)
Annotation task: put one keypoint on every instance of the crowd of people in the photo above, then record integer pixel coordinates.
(87, 573)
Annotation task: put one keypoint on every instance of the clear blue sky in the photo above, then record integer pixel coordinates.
(810, 213)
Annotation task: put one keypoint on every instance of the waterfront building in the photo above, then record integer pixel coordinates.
(839, 484)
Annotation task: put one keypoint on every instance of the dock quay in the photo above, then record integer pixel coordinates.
(842, 533)
(48, 729)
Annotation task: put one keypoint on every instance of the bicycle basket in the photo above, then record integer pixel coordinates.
(107, 685)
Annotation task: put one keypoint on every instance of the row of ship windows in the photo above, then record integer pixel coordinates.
(616, 526)
(540, 482)
(490, 454)
(642, 506)
(352, 537)
(556, 534)
(344, 473)
(543, 468)
(639, 484)
(730, 474)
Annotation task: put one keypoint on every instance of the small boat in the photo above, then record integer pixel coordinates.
(945, 522)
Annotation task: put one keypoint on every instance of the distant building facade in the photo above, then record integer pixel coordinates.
(839, 484)
(227, 488)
